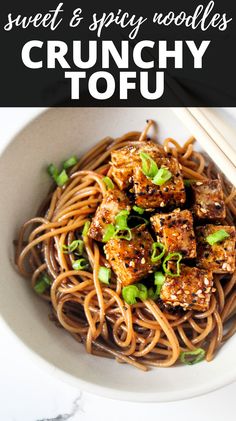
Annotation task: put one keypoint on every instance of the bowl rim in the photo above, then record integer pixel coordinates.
(28, 115)
(112, 393)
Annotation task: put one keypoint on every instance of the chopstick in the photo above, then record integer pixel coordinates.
(210, 139)
(201, 115)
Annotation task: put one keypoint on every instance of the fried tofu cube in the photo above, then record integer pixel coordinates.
(124, 161)
(219, 257)
(113, 202)
(208, 199)
(191, 290)
(131, 260)
(171, 193)
(175, 231)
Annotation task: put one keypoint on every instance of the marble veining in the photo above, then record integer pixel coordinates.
(76, 407)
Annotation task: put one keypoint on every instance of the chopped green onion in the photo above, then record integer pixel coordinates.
(143, 294)
(70, 162)
(121, 220)
(149, 166)
(42, 284)
(169, 257)
(131, 292)
(162, 176)
(217, 237)
(127, 235)
(86, 229)
(62, 178)
(192, 357)
(120, 229)
(79, 264)
(152, 294)
(138, 209)
(159, 280)
(46, 279)
(108, 182)
(53, 171)
(155, 257)
(75, 245)
(104, 274)
(108, 233)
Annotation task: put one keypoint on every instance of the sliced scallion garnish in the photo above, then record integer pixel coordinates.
(217, 237)
(151, 170)
(159, 280)
(86, 229)
(120, 229)
(121, 220)
(192, 357)
(80, 264)
(76, 245)
(104, 274)
(42, 284)
(125, 235)
(155, 257)
(162, 176)
(70, 162)
(131, 292)
(62, 178)
(172, 256)
(108, 182)
(109, 232)
(138, 209)
(53, 171)
(149, 166)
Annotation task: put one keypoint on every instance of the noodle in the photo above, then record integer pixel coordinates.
(144, 334)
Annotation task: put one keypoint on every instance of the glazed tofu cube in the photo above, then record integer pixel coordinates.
(131, 260)
(219, 257)
(126, 159)
(113, 202)
(149, 196)
(191, 290)
(175, 231)
(208, 199)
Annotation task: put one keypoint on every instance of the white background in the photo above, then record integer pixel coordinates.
(29, 394)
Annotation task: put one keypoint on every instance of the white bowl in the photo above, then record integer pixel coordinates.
(53, 136)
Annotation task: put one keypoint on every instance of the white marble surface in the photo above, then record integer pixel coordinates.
(29, 394)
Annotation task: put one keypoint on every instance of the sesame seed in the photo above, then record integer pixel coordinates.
(199, 292)
(131, 263)
(206, 281)
(162, 204)
(143, 261)
(173, 297)
(226, 266)
(203, 210)
(199, 183)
